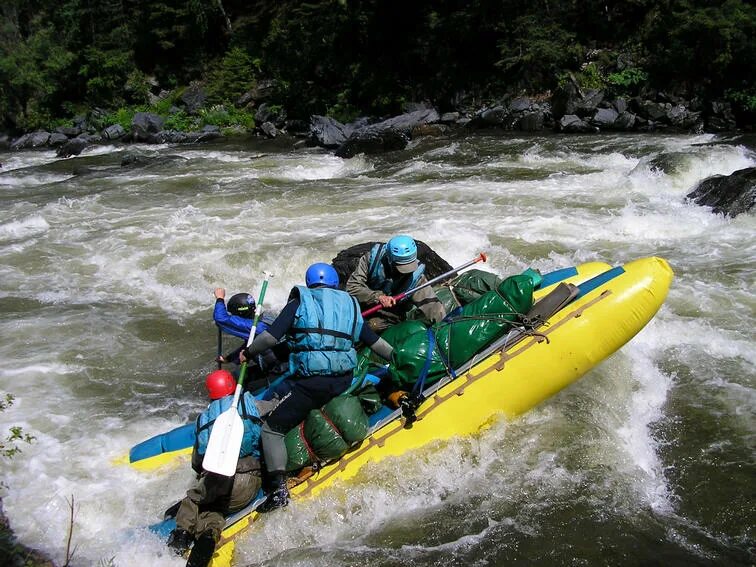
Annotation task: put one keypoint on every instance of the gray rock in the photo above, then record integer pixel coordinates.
(491, 116)
(144, 124)
(57, 139)
(620, 105)
(31, 140)
(113, 132)
(604, 117)
(590, 101)
(520, 104)
(728, 194)
(572, 123)
(73, 147)
(327, 132)
(625, 121)
(531, 122)
(389, 135)
(194, 97)
(269, 129)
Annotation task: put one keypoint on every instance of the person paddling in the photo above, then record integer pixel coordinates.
(322, 325)
(236, 318)
(390, 269)
(201, 515)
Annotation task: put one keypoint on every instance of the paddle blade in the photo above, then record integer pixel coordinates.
(225, 441)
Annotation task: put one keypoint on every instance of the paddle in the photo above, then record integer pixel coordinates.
(399, 297)
(220, 348)
(222, 452)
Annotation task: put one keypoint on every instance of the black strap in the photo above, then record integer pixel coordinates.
(311, 330)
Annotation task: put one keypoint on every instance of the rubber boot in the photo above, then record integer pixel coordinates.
(278, 497)
(179, 541)
(202, 552)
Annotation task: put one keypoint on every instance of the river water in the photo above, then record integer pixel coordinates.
(106, 280)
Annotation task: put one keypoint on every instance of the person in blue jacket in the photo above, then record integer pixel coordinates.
(201, 515)
(322, 324)
(236, 318)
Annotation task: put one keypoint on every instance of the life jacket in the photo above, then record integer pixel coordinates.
(326, 326)
(378, 268)
(250, 418)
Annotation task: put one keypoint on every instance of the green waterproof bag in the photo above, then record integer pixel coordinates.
(449, 344)
(327, 433)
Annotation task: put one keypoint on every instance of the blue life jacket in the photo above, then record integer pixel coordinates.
(250, 417)
(239, 326)
(378, 268)
(326, 326)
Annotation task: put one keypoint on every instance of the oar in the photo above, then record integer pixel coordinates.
(222, 452)
(220, 348)
(397, 298)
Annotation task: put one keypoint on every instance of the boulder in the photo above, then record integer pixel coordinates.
(194, 97)
(269, 113)
(327, 132)
(72, 147)
(530, 121)
(728, 194)
(720, 117)
(571, 123)
(587, 105)
(269, 129)
(653, 111)
(113, 132)
(57, 139)
(373, 142)
(520, 104)
(604, 118)
(449, 117)
(564, 100)
(144, 124)
(346, 261)
(489, 117)
(625, 121)
(392, 134)
(31, 140)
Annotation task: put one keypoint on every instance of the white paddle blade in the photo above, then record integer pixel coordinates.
(225, 441)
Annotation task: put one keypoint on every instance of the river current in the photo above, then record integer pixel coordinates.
(106, 279)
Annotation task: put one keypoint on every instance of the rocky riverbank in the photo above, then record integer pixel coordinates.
(13, 554)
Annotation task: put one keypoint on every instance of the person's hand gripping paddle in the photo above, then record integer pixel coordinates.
(222, 452)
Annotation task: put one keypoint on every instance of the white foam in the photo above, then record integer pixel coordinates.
(28, 227)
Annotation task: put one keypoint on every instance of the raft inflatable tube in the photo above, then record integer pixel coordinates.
(175, 446)
(605, 308)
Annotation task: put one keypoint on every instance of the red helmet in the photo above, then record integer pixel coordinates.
(220, 383)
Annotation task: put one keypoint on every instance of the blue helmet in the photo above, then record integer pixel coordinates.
(321, 274)
(243, 305)
(402, 250)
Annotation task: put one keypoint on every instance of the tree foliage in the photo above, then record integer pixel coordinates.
(342, 56)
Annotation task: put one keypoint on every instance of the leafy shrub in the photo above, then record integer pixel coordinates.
(225, 116)
(123, 116)
(8, 446)
(589, 77)
(181, 121)
(745, 98)
(627, 80)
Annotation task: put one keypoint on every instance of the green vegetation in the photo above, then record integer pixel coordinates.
(9, 445)
(345, 58)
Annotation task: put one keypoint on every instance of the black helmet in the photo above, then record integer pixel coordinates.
(242, 304)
